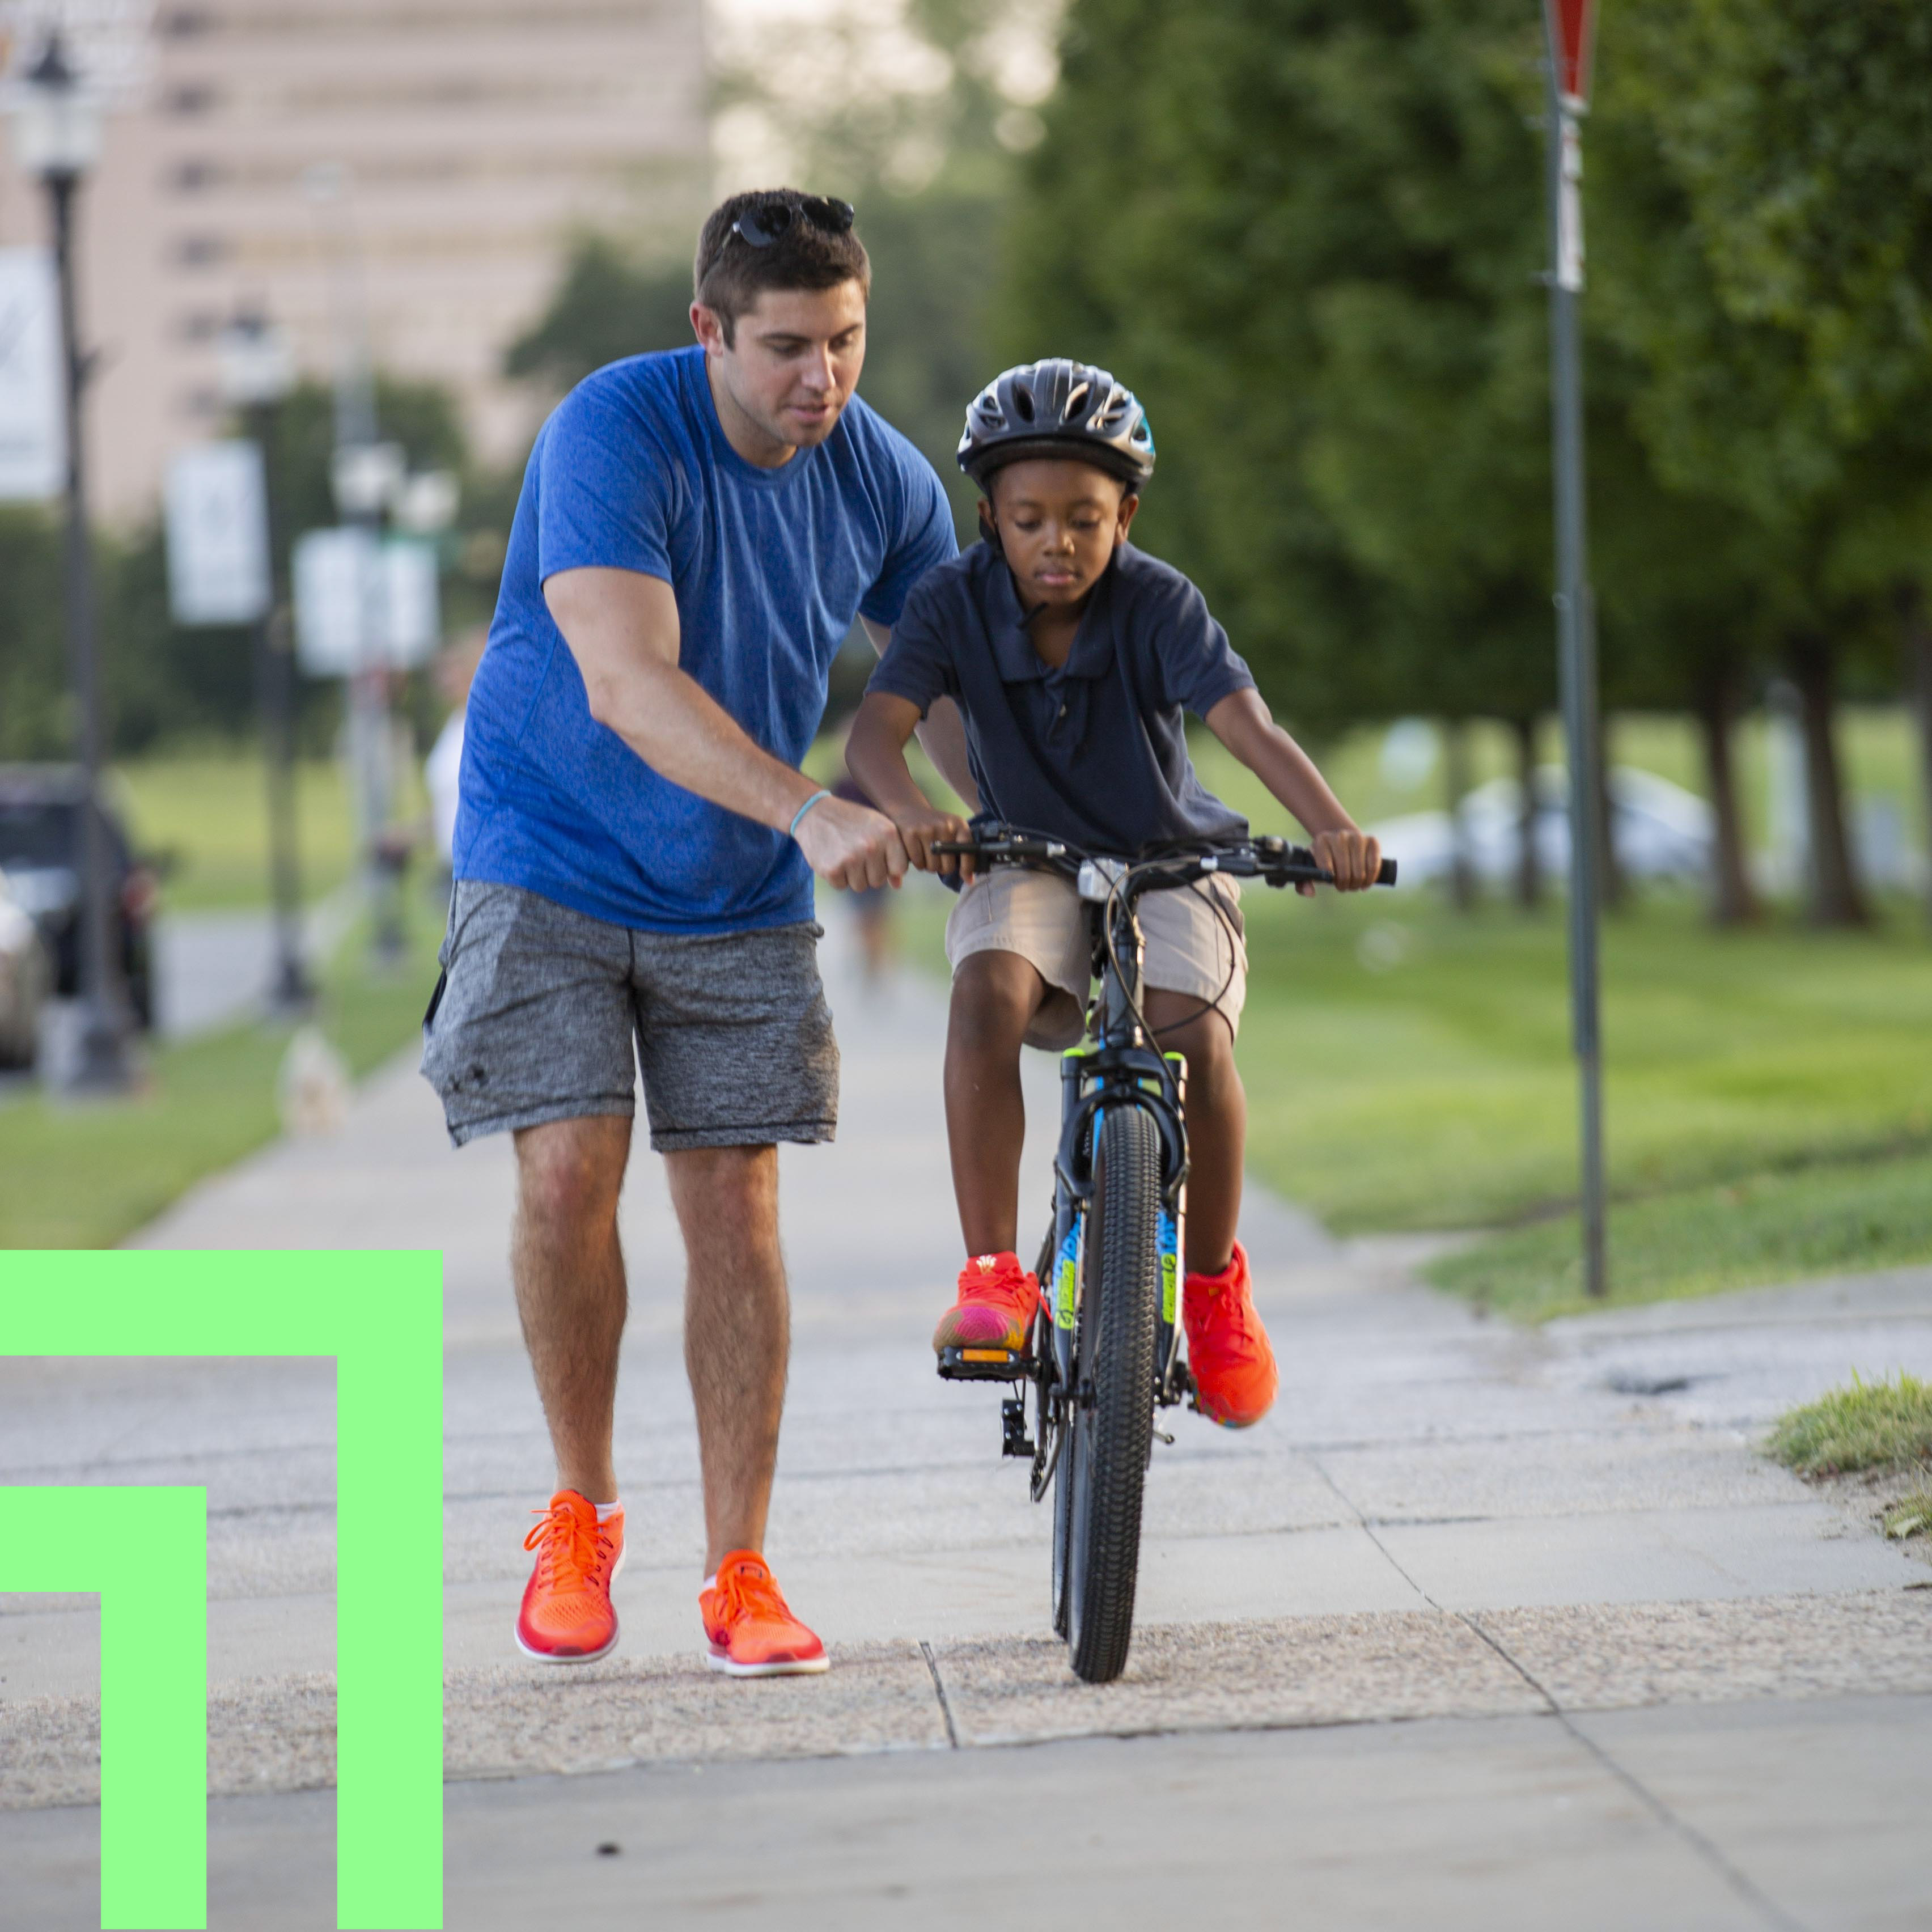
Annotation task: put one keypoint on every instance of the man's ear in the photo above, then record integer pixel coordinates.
(989, 524)
(708, 325)
(1130, 504)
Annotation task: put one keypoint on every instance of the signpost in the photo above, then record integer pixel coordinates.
(365, 603)
(1569, 25)
(33, 440)
(217, 534)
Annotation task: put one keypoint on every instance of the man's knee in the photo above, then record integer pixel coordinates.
(727, 1198)
(570, 1173)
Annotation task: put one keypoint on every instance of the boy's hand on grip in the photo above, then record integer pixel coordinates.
(851, 845)
(921, 830)
(1353, 857)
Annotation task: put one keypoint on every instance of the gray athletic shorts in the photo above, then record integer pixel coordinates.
(535, 1018)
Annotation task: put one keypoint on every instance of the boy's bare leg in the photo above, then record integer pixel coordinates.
(994, 997)
(1217, 1123)
(737, 1332)
(569, 1273)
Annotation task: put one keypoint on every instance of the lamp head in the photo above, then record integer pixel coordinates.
(56, 124)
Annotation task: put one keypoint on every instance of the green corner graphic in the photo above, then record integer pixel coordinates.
(144, 1553)
(380, 1316)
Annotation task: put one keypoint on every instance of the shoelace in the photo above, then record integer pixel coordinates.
(1009, 1285)
(570, 1551)
(747, 1589)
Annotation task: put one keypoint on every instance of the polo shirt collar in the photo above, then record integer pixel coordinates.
(1013, 654)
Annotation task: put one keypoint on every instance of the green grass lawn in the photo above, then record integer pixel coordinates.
(86, 1175)
(208, 810)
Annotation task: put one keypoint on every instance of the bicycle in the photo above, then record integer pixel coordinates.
(1105, 1350)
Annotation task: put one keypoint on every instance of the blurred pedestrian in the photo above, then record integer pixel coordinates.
(455, 667)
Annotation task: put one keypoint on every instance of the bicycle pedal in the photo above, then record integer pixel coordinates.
(984, 1365)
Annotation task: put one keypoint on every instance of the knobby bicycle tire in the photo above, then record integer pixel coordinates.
(1112, 1434)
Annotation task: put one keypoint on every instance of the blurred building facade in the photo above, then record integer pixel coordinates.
(408, 169)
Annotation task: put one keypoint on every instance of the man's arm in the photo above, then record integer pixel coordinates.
(1243, 723)
(622, 627)
(875, 756)
(942, 735)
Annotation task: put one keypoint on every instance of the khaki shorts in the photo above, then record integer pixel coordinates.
(1190, 948)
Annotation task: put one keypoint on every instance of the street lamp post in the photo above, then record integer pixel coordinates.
(1567, 24)
(368, 477)
(257, 373)
(57, 135)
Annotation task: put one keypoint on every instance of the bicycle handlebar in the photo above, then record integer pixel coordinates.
(1273, 860)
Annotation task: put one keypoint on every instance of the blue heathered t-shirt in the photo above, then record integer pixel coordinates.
(769, 567)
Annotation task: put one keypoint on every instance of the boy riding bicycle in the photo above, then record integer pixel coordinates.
(1073, 656)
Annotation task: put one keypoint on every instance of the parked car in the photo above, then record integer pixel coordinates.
(39, 851)
(1659, 830)
(25, 981)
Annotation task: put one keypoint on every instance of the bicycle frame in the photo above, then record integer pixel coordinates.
(1114, 1065)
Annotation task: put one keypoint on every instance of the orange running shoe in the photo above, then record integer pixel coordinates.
(752, 1630)
(1234, 1376)
(567, 1616)
(995, 1308)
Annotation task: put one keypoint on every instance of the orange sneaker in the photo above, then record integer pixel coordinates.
(567, 1616)
(752, 1630)
(1234, 1376)
(995, 1307)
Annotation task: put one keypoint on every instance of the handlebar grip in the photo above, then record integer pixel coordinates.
(1385, 874)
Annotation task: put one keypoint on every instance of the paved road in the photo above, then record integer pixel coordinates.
(212, 969)
(1472, 1620)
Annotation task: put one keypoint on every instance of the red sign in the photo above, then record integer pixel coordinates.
(1572, 29)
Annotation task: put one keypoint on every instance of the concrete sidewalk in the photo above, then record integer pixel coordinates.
(1604, 1630)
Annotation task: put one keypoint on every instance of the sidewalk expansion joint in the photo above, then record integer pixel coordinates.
(939, 1689)
(1700, 1845)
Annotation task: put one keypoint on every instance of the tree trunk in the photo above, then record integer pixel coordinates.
(1528, 872)
(1836, 899)
(1918, 630)
(1456, 776)
(1732, 901)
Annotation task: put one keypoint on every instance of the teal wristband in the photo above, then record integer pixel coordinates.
(791, 831)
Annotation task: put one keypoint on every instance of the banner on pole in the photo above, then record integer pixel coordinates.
(217, 534)
(363, 603)
(1572, 25)
(33, 425)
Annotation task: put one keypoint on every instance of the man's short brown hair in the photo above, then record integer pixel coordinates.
(729, 274)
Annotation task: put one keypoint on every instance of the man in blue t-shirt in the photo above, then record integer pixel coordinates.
(634, 854)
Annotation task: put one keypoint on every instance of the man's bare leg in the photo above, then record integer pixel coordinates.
(569, 1273)
(737, 1333)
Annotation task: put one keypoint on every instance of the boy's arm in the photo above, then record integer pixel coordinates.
(875, 756)
(1243, 723)
(942, 735)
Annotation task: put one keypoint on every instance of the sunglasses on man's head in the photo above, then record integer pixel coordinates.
(764, 222)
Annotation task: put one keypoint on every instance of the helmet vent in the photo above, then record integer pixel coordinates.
(1023, 401)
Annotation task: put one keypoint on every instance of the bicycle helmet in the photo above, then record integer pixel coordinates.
(1058, 407)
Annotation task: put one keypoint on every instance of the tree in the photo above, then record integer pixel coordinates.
(1782, 319)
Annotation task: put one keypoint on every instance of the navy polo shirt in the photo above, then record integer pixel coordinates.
(1096, 752)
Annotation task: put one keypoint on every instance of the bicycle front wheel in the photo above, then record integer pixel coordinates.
(1112, 1410)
